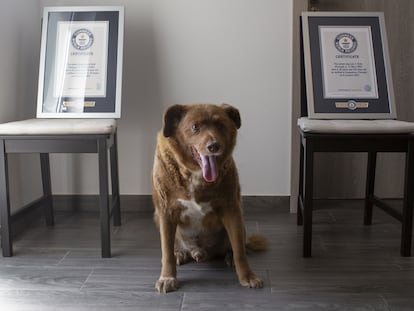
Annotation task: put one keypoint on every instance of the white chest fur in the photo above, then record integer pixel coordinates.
(192, 229)
(194, 212)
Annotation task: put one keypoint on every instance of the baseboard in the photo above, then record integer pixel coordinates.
(129, 203)
(90, 203)
(143, 203)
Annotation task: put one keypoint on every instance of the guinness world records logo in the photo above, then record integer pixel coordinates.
(352, 105)
(346, 43)
(82, 39)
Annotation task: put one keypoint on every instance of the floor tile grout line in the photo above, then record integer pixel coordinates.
(87, 278)
(182, 302)
(63, 258)
(381, 296)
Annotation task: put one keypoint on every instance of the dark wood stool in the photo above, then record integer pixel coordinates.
(370, 136)
(46, 136)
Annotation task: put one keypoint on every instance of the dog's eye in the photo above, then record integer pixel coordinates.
(195, 128)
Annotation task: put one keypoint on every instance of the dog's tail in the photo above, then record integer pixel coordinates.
(256, 243)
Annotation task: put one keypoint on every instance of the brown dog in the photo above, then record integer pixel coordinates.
(196, 191)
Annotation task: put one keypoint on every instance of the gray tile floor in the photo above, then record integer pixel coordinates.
(353, 267)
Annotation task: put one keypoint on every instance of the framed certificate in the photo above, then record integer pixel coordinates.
(347, 68)
(80, 74)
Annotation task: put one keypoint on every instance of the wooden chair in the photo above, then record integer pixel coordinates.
(45, 136)
(370, 136)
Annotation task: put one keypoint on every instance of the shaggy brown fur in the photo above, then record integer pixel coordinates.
(196, 192)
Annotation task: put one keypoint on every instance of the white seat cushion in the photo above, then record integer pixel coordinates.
(58, 127)
(355, 126)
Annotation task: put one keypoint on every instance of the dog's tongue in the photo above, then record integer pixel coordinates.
(209, 167)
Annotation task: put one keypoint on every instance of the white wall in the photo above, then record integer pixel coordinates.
(180, 51)
(20, 35)
(19, 56)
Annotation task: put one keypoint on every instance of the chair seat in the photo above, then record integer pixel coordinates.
(58, 127)
(355, 126)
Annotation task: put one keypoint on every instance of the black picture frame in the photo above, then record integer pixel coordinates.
(347, 66)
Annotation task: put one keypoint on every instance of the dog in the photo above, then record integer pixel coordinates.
(196, 192)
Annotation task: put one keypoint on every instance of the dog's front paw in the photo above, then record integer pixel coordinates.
(251, 281)
(166, 284)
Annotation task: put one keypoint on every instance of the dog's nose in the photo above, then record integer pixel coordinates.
(213, 147)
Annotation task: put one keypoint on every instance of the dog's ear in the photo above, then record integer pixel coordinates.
(233, 114)
(172, 117)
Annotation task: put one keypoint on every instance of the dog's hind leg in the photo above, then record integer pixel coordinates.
(187, 250)
(182, 254)
(228, 259)
(199, 255)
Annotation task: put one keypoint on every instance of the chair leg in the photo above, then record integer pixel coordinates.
(115, 182)
(407, 213)
(300, 193)
(6, 236)
(104, 198)
(369, 187)
(307, 198)
(47, 188)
